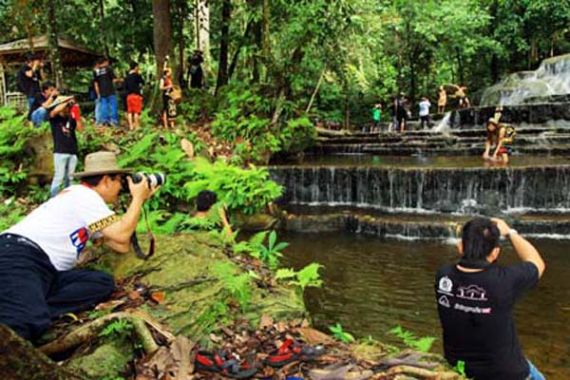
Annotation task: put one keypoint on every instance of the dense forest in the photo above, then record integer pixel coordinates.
(331, 57)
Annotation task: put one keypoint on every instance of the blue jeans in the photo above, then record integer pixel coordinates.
(534, 372)
(31, 100)
(39, 116)
(64, 166)
(108, 110)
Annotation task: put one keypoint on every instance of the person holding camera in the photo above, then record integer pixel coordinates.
(475, 300)
(38, 281)
(29, 77)
(63, 127)
(43, 101)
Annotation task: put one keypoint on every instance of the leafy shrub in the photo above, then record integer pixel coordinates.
(297, 134)
(420, 344)
(269, 254)
(307, 277)
(238, 286)
(341, 335)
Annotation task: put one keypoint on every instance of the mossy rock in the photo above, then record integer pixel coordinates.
(107, 361)
(182, 269)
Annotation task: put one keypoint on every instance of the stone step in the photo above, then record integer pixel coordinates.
(412, 226)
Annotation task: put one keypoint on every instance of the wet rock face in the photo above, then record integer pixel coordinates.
(434, 189)
(529, 114)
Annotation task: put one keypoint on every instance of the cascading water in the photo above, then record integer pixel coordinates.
(552, 78)
(447, 190)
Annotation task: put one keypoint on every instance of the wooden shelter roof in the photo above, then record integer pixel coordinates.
(72, 54)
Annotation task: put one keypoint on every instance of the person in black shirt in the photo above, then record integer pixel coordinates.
(29, 78)
(103, 81)
(195, 73)
(42, 102)
(133, 87)
(63, 127)
(475, 300)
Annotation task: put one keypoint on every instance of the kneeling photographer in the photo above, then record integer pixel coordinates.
(38, 254)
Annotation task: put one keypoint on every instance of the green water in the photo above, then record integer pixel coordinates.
(374, 285)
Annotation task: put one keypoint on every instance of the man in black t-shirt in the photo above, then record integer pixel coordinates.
(103, 81)
(475, 298)
(63, 127)
(133, 87)
(29, 78)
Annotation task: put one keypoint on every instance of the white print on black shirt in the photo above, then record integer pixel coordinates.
(472, 309)
(445, 286)
(444, 301)
(471, 292)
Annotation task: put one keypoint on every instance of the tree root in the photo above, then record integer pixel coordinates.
(90, 331)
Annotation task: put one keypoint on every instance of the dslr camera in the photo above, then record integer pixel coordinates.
(153, 179)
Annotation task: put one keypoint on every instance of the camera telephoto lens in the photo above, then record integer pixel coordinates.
(154, 179)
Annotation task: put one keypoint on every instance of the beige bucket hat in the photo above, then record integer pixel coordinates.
(100, 163)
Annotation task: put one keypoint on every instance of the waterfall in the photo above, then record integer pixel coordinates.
(444, 125)
(447, 190)
(550, 79)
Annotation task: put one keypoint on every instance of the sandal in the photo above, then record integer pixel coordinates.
(291, 351)
(225, 364)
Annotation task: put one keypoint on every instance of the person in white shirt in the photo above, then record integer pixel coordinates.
(38, 254)
(424, 112)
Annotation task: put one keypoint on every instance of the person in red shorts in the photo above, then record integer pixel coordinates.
(133, 85)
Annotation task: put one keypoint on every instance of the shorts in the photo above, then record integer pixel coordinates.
(134, 103)
(505, 150)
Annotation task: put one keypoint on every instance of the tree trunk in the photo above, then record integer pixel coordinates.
(54, 54)
(20, 360)
(224, 45)
(102, 27)
(233, 64)
(255, 73)
(266, 40)
(162, 32)
(203, 28)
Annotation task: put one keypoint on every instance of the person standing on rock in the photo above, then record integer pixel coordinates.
(441, 100)
(424, 106)
(63, 127)
(38, 281)
(29, 77)
(133, 87)
(104, 82)
(475, 299)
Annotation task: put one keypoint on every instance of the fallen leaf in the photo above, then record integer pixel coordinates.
(158, 297)
(109, 305)
(134, 295)
(312, 336)
(266, 321)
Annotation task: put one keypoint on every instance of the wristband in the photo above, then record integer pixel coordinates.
(512, 232)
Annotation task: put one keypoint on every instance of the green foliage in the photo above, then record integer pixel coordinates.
(119, 328)
(420, 344)
(11, 213)
(14, 159)
(238, 286)
(248, 190)
(307, 277)
(297, 135)
(460, 368)
(341, 335)
(255, 247)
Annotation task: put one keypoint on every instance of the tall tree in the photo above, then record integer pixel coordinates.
(162, 32)
(224, 45)
(54, 53)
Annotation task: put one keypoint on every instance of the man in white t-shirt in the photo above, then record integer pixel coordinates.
(38, 254)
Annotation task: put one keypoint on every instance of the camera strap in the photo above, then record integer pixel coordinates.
(135, 241)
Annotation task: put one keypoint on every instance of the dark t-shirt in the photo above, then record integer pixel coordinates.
(104, 77)
(475, 310)
(134, 83)
(63, 132)
(28, 86)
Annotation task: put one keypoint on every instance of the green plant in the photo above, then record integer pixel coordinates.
(11, 212)
(255, 247)
(341, 335)
(420, 344)
(307, 277)
(118, 328)
(460, 368)
(238, 286)
(297, 134)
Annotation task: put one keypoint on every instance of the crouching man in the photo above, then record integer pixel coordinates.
(475, 300)
(37, 255)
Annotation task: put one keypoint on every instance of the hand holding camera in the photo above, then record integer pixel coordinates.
(142, 185)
